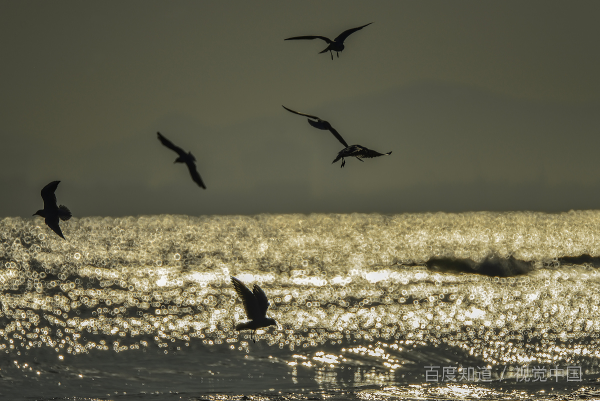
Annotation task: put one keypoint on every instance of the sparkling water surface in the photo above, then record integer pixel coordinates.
(143, 307)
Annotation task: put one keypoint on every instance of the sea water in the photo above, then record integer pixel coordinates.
(495, 306)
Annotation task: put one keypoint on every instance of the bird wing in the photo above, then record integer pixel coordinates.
(52, 222)
(368, 153)
(313, 37)
(251, 304)
(261, 297)
(320, 124)
(302, 114)
(342, 36)
(194, 173)
(337, 135)
(170, 144)
(324, 125)
(49, 197)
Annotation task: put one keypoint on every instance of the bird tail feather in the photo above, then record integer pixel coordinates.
(64, 213)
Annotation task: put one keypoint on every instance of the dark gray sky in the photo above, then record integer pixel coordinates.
(485, 105)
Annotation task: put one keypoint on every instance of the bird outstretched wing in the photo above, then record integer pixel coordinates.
(302, 114)
(251, 304)
(261, 298)
(342, 36)
(368, 153)
(49, 197)
(332, 130)
(52, 222)
(312, 37)
(170, 144)
(320, 124)
(195, 175)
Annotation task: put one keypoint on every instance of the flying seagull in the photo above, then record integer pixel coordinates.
(51, 211)
(357, 151)
(336, 45)
(187, 158)
(256, 305)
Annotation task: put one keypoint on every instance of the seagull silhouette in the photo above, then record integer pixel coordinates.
(187, 158)
(336, 45)
(357, 151)
(256, 305)
(51, 211)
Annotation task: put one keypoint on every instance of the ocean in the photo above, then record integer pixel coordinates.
(432, 306)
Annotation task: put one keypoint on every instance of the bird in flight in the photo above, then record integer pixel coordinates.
(51, 211)
(336, 45)
(187, 158)
(255, 304)
(357, 151)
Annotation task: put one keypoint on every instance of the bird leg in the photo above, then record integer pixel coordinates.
(359, 158)
(253, 336)
(343, 162)
(338, 54)
(330, 52)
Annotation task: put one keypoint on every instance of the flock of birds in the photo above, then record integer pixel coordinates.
(255, 302)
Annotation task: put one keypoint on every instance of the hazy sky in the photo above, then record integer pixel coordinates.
(485, 105)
